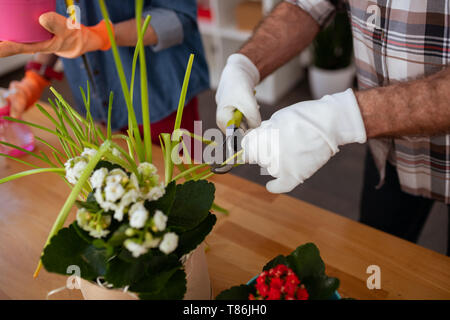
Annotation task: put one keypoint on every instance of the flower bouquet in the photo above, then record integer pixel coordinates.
(298, 276)
(133, 232)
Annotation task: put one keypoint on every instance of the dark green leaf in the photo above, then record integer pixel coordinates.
(321, 287)
(241, 292)
(193, 200)
(189, 240)
(160, 270)
(67, 248)
(174, 289)
(122, 273)
(108, 165)
(305, 261)
(97, 259)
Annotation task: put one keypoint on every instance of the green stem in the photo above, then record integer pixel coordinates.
(31, 172)
(123, 83)
(189, 171)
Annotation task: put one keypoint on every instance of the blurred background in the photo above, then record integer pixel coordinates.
(326, 67)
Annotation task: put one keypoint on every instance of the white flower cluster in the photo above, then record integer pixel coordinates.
(123, 195)
(75, 166)
(142, 227)
(94, 223)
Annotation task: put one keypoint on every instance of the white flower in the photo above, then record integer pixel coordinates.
(88, 153)
(128, 198)
(116, 176)
(135, 248)
(147, 169)
(169, 242)
(98, 177)
(113, 192)
(100, 233)
(160, 220)
(138, 215)
(74, 169)
(155, 193)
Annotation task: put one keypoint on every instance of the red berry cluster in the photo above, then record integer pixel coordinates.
(279, 283)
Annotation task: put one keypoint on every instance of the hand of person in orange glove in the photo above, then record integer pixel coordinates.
(67, 42)
(23, 94)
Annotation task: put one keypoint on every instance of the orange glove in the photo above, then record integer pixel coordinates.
(67, 42)
(24, 93)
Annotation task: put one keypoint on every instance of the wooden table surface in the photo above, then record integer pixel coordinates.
(260, 226)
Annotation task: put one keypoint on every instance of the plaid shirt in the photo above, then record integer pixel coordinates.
(398, 41)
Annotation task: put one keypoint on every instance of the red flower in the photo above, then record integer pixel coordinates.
(279, 283)
(302, 294)
(263, 289)
(274, 294)
(292, 279)
(276, 283)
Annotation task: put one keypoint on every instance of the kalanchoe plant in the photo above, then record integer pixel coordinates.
(298, 276)
(132, 229)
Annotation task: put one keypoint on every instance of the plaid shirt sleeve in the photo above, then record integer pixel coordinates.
(320, 10)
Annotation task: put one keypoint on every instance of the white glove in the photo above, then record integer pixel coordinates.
(300, 139)
(236, 91)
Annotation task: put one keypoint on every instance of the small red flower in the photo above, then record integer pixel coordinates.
(279, 283)
(302, 294)
(276, 283)
(263, 290)
(274, 294)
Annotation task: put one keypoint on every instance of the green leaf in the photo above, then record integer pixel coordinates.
(159, 271)
(97, 258)
(321, 287)
(174, 289)
(122, 273)
(306, 262)
(236, 293)
(189, 240)
(108, 165)
(193, 200)
(165, 202)
(66, 248)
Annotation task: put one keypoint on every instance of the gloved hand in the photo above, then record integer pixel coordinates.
(24, 93)
(236, 91)
(67, 43)
(298, 140)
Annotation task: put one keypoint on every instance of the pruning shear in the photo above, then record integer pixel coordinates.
(234, 134)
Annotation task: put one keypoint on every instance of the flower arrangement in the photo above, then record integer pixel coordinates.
(133, 230)
(298, 276)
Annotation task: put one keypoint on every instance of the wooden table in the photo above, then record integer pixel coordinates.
(260, 226)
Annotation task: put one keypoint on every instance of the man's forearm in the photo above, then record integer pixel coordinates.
(284, 33)
(126, 36)
(420, 107)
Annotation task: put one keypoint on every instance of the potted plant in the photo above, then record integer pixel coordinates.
(332, 70)
(297, 276)
(136, 235)
(19, 20)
